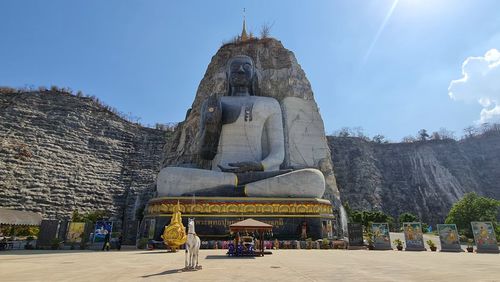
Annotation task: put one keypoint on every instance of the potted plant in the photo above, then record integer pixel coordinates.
(142, 243)
(431, 244)
(309, 243)
(83, 245)
(399, 244)
(369, 241)
(470, 245)
(55, 244)
(325, 244)
(28, 245)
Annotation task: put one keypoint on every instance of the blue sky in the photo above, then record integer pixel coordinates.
(148, 57)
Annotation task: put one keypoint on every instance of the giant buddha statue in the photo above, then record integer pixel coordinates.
(243, 136)
(252, 145)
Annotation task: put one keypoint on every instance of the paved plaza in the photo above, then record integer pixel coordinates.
(282, 265)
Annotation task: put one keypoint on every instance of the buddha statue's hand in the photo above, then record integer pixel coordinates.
(240, 167)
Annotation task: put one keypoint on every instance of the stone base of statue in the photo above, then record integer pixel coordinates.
(292, 218)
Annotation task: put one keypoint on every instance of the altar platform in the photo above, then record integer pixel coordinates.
(290, 217)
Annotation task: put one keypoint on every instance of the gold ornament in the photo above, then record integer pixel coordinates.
(174, 234)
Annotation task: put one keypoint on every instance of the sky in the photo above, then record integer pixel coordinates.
(389, 67)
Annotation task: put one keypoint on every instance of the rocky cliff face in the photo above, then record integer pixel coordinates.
(424, 178)
(60, 153)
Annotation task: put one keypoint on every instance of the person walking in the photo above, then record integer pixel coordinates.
(119, 243)
(106, 244)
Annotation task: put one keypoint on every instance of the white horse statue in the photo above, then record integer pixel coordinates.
(193, 244)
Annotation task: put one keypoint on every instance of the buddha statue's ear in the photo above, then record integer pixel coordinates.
(228, 86)
(254, 87)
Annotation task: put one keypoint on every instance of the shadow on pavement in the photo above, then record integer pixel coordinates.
(42, 252)
(155, 252)
(226, 257)
(172, 271)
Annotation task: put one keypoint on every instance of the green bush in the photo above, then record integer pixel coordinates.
(368, 217)
(407, 217)
(473, 208)
(92, 216)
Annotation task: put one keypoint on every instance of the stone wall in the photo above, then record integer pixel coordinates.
(424, 178)
(60, 153)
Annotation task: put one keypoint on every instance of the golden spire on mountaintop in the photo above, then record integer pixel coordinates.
(244, 36)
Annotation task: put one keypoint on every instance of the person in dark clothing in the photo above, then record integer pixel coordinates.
(119, 243)
(106, 241)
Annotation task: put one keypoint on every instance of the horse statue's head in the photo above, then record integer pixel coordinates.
(191, 225)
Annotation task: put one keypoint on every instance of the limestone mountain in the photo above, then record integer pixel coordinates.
(424, 178)
(60, 153)
(278, 76)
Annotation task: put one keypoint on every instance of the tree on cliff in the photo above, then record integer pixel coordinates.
(473, 208)
(379, 138)
(446, 134)
(408, 139)
(423, 135)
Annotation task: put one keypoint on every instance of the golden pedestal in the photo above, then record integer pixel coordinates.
(214, 214)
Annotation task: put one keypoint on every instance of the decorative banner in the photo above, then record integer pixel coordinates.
(327, 229)
(75, 232)
(413, 236)
(381, 237)
(63, 230)
(151, 229)
(448, 236)
(48, 232)
(484, 235)
(355, 231)
(101, 229)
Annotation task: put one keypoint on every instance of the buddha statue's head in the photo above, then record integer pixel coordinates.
(240, 73)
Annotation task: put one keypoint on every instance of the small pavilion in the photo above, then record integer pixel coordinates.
(15, 217)
(10, 217)
(252, 225)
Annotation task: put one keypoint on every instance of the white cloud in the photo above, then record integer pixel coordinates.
(480, 83)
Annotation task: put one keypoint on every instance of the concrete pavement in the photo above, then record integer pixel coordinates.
(289, 265)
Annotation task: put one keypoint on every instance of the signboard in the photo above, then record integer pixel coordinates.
(75, 232)
(101, 229)
(151, 229)
(484, 235)
(413, 236)
(355, 231)
(448, 236)
(48, 232)
(63, 230)
(381, 237)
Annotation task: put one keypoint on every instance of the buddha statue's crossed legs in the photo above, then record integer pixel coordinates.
(178, 181)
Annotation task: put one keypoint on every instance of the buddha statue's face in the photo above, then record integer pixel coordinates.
(240, 72)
